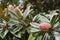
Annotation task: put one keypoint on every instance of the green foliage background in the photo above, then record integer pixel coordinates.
(14, 26)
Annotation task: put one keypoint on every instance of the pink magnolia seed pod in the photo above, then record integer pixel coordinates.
(11, 7)
(44, 26)
(17, 10)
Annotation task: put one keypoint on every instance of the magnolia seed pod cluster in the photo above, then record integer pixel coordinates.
(11, 7)
(16, 9)
(44, 26)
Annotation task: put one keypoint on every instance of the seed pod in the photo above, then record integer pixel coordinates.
(18, 11)
(11, 7)
(44, 26)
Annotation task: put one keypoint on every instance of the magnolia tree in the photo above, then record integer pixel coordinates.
(29, 19)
